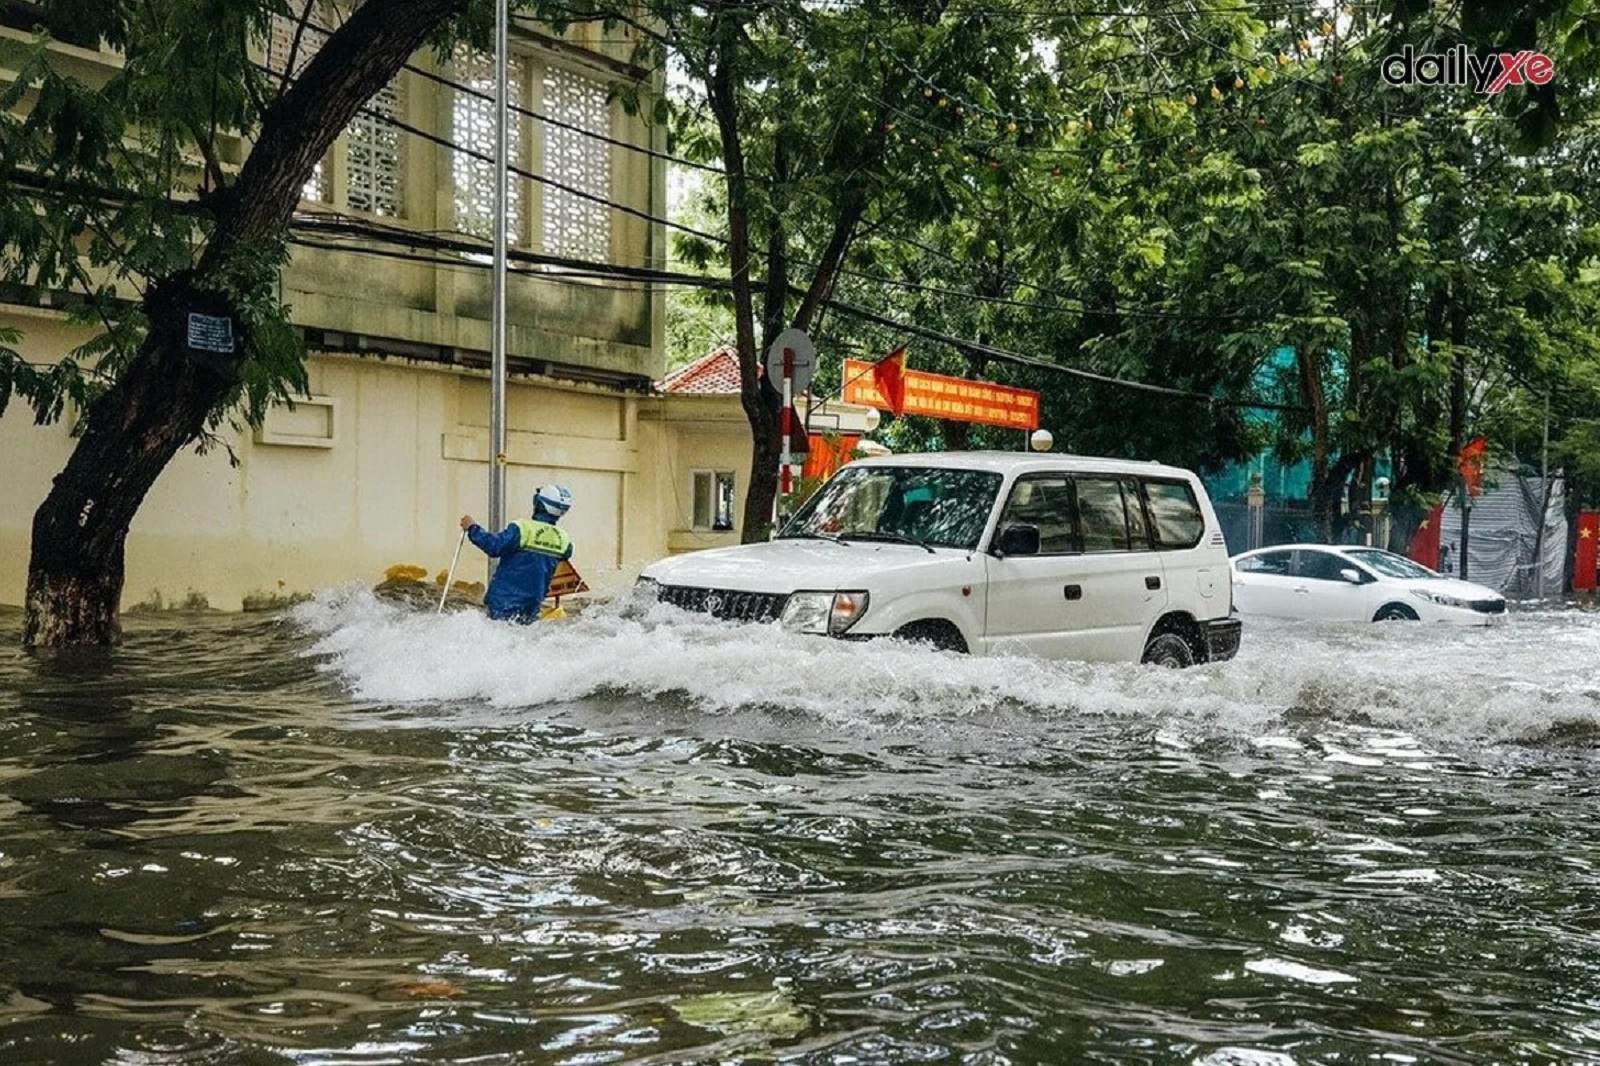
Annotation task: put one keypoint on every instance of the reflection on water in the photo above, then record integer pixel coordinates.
(358, 834)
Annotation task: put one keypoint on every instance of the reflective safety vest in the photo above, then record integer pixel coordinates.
(543, 537)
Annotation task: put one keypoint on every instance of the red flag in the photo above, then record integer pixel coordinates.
(1587, 554)
(1425, 541)
(828, 454)
(799, 439)
(889, 376)
(1473, 454)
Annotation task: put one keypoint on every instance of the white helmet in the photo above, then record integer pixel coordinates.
(554, 500)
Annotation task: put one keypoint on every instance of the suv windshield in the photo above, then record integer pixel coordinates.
(1389, 564)
(943, 508)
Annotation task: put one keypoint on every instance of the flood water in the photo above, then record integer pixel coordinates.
(357, 833)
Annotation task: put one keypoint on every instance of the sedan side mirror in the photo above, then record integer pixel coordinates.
(1017, 540)
(1351, 574)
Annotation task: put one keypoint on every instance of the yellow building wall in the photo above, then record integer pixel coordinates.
(408, 456)
(409, 447)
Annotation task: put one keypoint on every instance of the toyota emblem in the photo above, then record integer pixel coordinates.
(713, 603)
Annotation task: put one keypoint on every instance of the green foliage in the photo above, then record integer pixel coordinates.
(118, 171)
(1172, 200)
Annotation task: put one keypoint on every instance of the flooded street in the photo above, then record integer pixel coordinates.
(361, 834)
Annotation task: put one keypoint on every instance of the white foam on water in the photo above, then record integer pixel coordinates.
(1244, 1056)
(1297, 971)
(1392, 683)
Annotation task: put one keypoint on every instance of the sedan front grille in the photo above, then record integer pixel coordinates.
(726, 603)
(1488, 606)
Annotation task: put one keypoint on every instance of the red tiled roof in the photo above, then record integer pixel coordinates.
(715, 375)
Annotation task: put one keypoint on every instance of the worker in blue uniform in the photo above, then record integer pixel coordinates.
(529, 551)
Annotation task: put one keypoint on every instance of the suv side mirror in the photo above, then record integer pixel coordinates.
(1017, 540)
(1352, 575)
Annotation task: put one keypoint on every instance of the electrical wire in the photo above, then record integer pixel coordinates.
(604, 270)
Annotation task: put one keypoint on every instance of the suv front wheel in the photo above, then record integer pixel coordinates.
(942, 635)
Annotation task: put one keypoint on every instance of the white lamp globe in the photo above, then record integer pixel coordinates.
(1042, 440)
(873, 419)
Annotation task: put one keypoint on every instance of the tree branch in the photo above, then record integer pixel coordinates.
(353, 64)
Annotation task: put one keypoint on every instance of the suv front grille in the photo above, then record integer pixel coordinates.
(726, 603)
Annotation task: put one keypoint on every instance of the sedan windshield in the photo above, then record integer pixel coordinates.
(942, 508)
(1389, 564)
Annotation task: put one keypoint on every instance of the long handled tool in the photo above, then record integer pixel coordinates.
(450, 579)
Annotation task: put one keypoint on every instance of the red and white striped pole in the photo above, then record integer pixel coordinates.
(788, 415)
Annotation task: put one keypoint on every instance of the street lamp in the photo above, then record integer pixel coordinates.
(1041, 440)
(873, 419)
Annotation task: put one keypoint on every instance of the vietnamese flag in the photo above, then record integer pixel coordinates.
(889, 377)
(1472, 457)
(1587, 554)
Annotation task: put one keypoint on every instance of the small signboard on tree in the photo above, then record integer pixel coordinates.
(210, 333)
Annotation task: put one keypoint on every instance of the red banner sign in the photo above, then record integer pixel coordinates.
(940, 396)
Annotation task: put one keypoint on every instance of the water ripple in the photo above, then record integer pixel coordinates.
(358, 834)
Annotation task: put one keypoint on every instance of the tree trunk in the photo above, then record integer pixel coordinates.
(1325, 496)
(162, 401)
(1458, 379)
(75, 574)
(1315, 398)
(761, 403)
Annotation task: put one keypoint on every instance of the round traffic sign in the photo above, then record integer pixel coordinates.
(803, 362)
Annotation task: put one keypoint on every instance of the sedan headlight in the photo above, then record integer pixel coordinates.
(1440, 598)
(823, 612)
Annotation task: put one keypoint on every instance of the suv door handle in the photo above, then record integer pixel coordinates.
(1073, 592)
(1152, 582)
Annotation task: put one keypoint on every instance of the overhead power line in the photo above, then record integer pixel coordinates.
(599, 270)
(717, 239)
(1004, 356)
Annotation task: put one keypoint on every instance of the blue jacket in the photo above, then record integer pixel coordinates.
(529, 551)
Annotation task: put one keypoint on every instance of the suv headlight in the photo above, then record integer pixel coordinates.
(1440, 598)
(823, 612)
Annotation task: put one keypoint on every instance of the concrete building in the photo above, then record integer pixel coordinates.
(375, 466)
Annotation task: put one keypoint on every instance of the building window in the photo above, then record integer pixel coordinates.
(473, 122)
(577, 108)
(370, 145)
(712, 497)
(372, 156)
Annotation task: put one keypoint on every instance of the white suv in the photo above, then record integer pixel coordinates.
(987, 552)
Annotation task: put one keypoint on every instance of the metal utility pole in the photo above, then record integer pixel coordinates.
(1544, 504)
(497, 325)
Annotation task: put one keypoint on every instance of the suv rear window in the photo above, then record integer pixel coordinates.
(1102, 515)
(1175, 513)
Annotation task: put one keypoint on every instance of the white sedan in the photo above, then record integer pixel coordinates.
(1353, 584)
